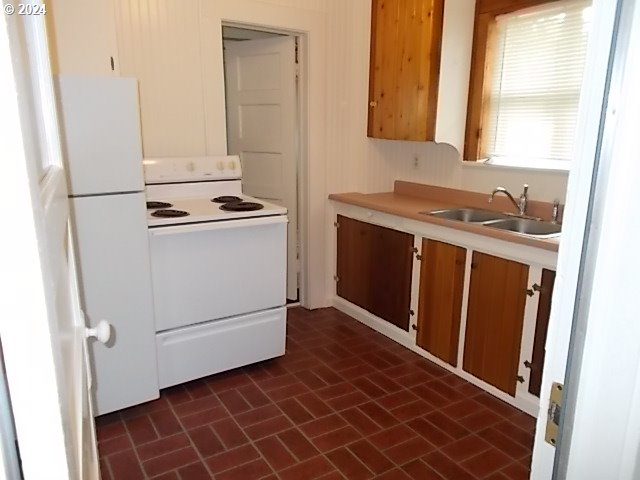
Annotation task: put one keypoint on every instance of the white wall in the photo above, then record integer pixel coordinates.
(159, 44)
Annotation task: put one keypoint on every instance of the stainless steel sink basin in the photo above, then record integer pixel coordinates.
(473, 215)
(536, 228)
(526, 226)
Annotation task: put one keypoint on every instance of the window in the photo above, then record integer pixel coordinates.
(531, 80)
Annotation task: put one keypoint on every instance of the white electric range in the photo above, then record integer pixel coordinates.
(218, 261)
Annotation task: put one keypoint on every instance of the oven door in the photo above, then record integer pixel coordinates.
(216, 270)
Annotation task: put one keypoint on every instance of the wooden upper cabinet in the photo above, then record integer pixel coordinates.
(374, 269)
(406, 37)
(440, 303)
(495, 315)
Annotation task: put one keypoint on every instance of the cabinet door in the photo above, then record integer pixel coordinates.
(540, 337)
(497, 296)
(440, 304)
(406, 38)
(374, 269)
(82, 36)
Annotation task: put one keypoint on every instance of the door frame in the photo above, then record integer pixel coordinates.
(301, 140)
(571, 322)
(309, 26)
(603, 364)
(30, 348)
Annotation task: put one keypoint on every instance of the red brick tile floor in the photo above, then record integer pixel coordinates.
(344, 402)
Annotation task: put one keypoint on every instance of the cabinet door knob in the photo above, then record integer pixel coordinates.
(101, 332)
(414, 327)
(373, 103)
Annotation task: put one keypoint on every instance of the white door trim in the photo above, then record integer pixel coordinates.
(575, 223)
(42, 328)
(25, 330)
(602, 385)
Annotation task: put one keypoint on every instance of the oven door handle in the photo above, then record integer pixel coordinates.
(219, 225)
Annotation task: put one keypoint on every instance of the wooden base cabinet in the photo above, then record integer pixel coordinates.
(495, 315)
(440, 302)
(473, 311)
(374, 269)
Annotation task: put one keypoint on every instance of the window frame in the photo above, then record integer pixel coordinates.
(482, 52)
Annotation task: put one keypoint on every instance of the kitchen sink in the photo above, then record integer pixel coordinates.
(536, 228)
(473, 215)
(503, 221)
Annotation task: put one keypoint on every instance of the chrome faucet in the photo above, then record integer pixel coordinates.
(521, 204)
(555, 211)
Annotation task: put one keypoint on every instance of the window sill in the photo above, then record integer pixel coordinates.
(484, 164)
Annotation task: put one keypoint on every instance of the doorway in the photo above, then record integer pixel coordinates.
(262, 98)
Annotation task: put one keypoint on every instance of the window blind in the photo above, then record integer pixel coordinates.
(536, 78)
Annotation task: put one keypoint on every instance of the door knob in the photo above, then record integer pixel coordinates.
(102, 332)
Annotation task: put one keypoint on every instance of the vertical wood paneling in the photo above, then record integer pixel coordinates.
(159, 44)
(316, 5)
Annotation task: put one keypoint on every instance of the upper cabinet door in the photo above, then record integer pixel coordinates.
(406, 38)
(82, 37)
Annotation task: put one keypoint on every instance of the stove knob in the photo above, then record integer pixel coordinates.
(232, 165)
(220, 165)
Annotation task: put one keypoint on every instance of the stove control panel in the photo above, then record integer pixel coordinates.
(191, 169)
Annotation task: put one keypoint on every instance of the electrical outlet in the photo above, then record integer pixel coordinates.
(415, 161)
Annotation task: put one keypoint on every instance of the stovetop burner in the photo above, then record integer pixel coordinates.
(154, 205)
(169, 213)
(226, 199)
(241, 206)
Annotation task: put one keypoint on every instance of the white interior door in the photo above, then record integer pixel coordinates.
(260, 77)
(43, 328)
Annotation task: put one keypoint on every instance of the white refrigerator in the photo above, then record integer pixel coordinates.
(102, 148)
